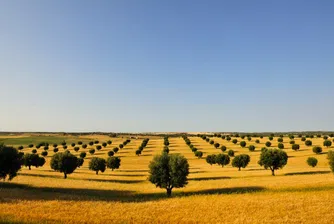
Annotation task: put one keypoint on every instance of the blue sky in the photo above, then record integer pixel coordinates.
(137, 66)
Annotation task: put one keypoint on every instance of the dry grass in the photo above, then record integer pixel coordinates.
(298, 194)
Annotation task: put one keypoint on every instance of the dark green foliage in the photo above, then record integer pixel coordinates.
(55, 145)
(32, 160)
(83, 155)
(63, 143)
(44, 153)
(295, 147)
(273, 159)
(97, 164)
(280, 139)
(228, 138)
(55, 150)
(311, 161)
(249, 139)
(65, 146)
(292, 142)
(46, 148)
(271, 138)
(211, 159)
(241, 161)
(92, 151)
(79, 142)
(96, 142)
(76, 149)
(109, 142)
(34, 151)
(199, 154)
(91, 143)
(257, 141)
(20, 147)
(303, 139)
(230, 153)
(243, 144)
(222, 159)
(308, 143)
(113, 162)
(234, 141)
(84, 146)
(291, 137)
(104, 144)
(268, 144)
(216, 145)
(64, 162)
(138, 152)
(98, 147)
(169, 171)
(317, 149)
(31, 145)
(166, 149)
(325, 137)
(10, 162)
(330, 157)
(121, 146)
(212, 142)
(111, 153)
(115, 149)
(251, 148)
(73, 144)
(80, 162)
(327, 143)
(194, 149)
(280, 145)
(223, 148)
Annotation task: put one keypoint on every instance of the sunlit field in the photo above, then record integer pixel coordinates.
(297, 194)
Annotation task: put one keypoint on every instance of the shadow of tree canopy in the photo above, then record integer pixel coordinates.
(307, 173)
(28, 192)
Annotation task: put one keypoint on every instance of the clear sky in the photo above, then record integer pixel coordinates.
(133, 66)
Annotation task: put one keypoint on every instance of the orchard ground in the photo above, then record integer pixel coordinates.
(297, 194)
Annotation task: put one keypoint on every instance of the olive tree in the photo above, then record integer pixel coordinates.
(243, 144)
(308, 143)
(97, 164)
(211, 159)
(223, 148)
(113, 162)
(64, 162)
(222, 159)
(241, 161)
(83, 155)
(268, 144)
(10, 162)
(317, 149)
(273, 159)
(199, 154)
(111, 153)
(280, 145)
(32, 160)
(169, 171)
(251, 148)
(44, 153)
(230, 152)
(327, 143)
(295, 147)
(311, 161)
(92, 151)
(115, 149)
(216, 145)
(234, 141)
(257, 141)
(104, 144)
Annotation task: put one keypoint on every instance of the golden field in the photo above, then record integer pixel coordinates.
(297, 194)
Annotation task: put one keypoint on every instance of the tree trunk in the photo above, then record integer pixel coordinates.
(65, 175)
(273, 172)
(29, 168)
(97, 172)
(169, 192)
(239, 168)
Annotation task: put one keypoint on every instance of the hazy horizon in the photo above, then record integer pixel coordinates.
(176, 66)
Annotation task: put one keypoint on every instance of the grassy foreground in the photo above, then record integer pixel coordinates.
(298, 194)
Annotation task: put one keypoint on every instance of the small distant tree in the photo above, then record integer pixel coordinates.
(303, 139)
(44, 153)
(249, 139)
(251, 148)
(291, 137)
(64, 146)
(63, 143)
(55, 145)
(64, 162)
(325, 137)
(211, 159)
(84, 146)
(292, 142)
(46, 148)
(98, 147)
(169, 171)
(199, 154)
(273, 159)
(76, 149)
(166, 149)
(109, 142)
(241, 161)
(295, 147)
(10, 162)
(234, 141)
(115, 149)
(111, 153)
(104, 144)
(222, 159)
(243, 144)
(55, 150)
(121, 146)
(83, 155)
(79, 142)
(73, 144)
(212, 142)
(280, 140)
(92, 151)
(228, 138)
(223, 148)
(91, 143)
(216, 145)
(230, 153)
(327, 143)
(31, 145)
(308, 143)
(80, 162)
(113, 162)
(34, 151)
(96, 142)
(270, 138)
(97, 164)
(138, 152)
(311, 161)
(257, 141)
(268, 144)
(317, 149)
(20, 147)
(280, 146)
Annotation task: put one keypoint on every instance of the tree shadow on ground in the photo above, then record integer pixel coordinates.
(306, 173)
(30, 193)
(208, 178)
